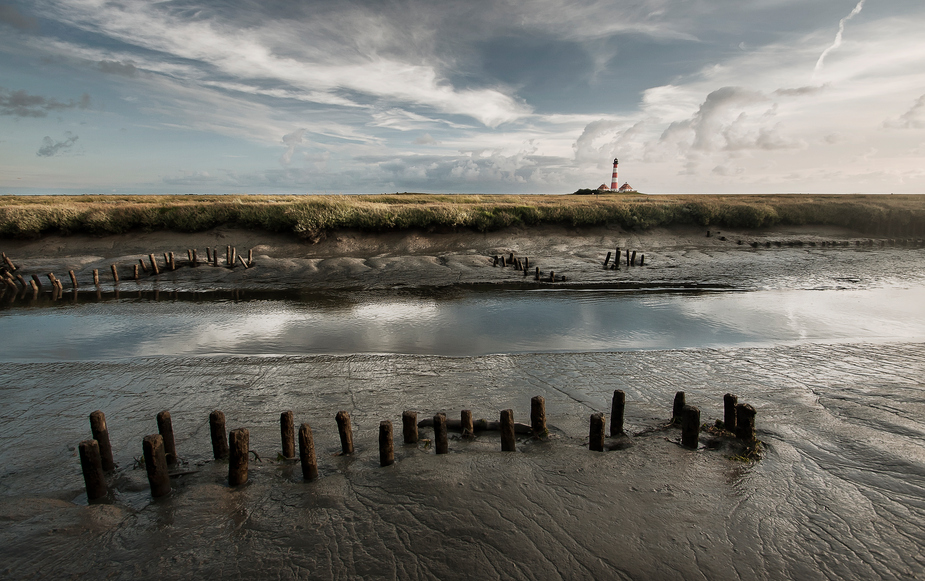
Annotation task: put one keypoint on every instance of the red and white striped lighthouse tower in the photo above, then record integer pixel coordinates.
(613, 181)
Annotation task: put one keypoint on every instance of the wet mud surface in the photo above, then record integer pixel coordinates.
(839, 494)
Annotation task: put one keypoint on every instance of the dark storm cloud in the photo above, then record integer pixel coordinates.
(22, 104)
(50, 147)
(11, 16)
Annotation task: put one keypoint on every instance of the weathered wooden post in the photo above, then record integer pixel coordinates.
(115, 273)
(552, 276)
(101, 435)
(135, 272)
(607, 260)
(690, 426)
(238, 450)
(37, 280)
(642, 260)
(537, 273)
(596, 433)
(156, 465)
(538, 416)
(208, 255)
(409, 426)
(250, 256)
(677, 407)
(617, 407)
(627, 257)
(465, 423)
(144, 267)
(173, 262)
(346, 433)
(234, 256)
(73, 278)
(745, 422)
(92, 467)
(215, 256)
(165, 429)
(526, 265)
(242, 261)
(287, 432)
(227, 254)
(633, 259)
(9, 262)
(96, 277)
(219, 437)
(386, 446)
(195, 258)
(441, 443)
(729, 412)
(52, 279)
(307, 453)
(154, 268)
(508, 443)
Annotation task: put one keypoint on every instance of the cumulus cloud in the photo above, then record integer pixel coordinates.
(914, 118)
(22, 104)
(50, 147)
(291, 140)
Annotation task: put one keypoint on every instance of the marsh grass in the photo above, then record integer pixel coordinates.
(311, 216)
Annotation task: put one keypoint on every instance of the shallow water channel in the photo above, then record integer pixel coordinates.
(837, 378)
(460, 322)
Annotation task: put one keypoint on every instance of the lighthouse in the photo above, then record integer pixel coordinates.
(613, 181)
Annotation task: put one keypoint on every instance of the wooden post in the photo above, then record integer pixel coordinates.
(234, 256)
(465, 423)
(409, 426)
(677, 407)
(642, 260)
(135, 272)
(9, 263)
(552, 276)
(92, 468)
(596, 433)
(607, 260)
(690, 426)
(173, 262)
(208, 255)
(243, 262)
(101, 435)
(307, 453)
(441, 442)
(37, 280)
(238, 450)
(154, 268)
(73, 278)
(617, 406)
(633, 260)
(144, 268)
(526, 265)
(386, 446)
(156, 465)
(627, 257)
(96, 277)
(195, 258)
(165, 429)
(287, 432)
(510, 259)
(538, 416)
(215, 256)
(217, 431)
(52, 279)
(729, 412)
(745, 422)
(250, 256)
(35, 286)
(346, 434)
(227, 254)
(166, 261)
(22, 281)
(115, 273)
(508, 443)
(537, 273)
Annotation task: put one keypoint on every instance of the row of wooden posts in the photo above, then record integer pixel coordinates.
(160, 450)
(908, 242)
(523, 264)
(630, 259)
(11, 276)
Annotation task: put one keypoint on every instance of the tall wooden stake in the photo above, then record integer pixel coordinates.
(409, 426)
(386, 446)
(165, 429)
(287, 432)
(156, 465)
(92, 469)
(441, 440)
(219, 437)
(346, 433)
(101, 435)
(307, 453)
(617, 407)
(238, 450)
(508, 442)
(538, 416)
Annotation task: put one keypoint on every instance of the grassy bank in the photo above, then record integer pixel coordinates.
(311, 216)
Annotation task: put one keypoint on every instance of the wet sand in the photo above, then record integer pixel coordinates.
(839, 494)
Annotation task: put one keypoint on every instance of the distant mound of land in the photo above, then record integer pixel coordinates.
(311, 216)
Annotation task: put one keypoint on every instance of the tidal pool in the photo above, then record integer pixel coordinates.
(461, 322)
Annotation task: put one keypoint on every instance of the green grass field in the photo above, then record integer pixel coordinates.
(311, 216)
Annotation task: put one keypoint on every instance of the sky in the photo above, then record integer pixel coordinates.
(480, 96)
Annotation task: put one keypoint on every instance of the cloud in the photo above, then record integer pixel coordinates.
(22, 104)
(11, 16)
(51, 147)
(800, 91)
(291, 140)
(426, 139)
(126, 69)
(914, 118)
(838, 36)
